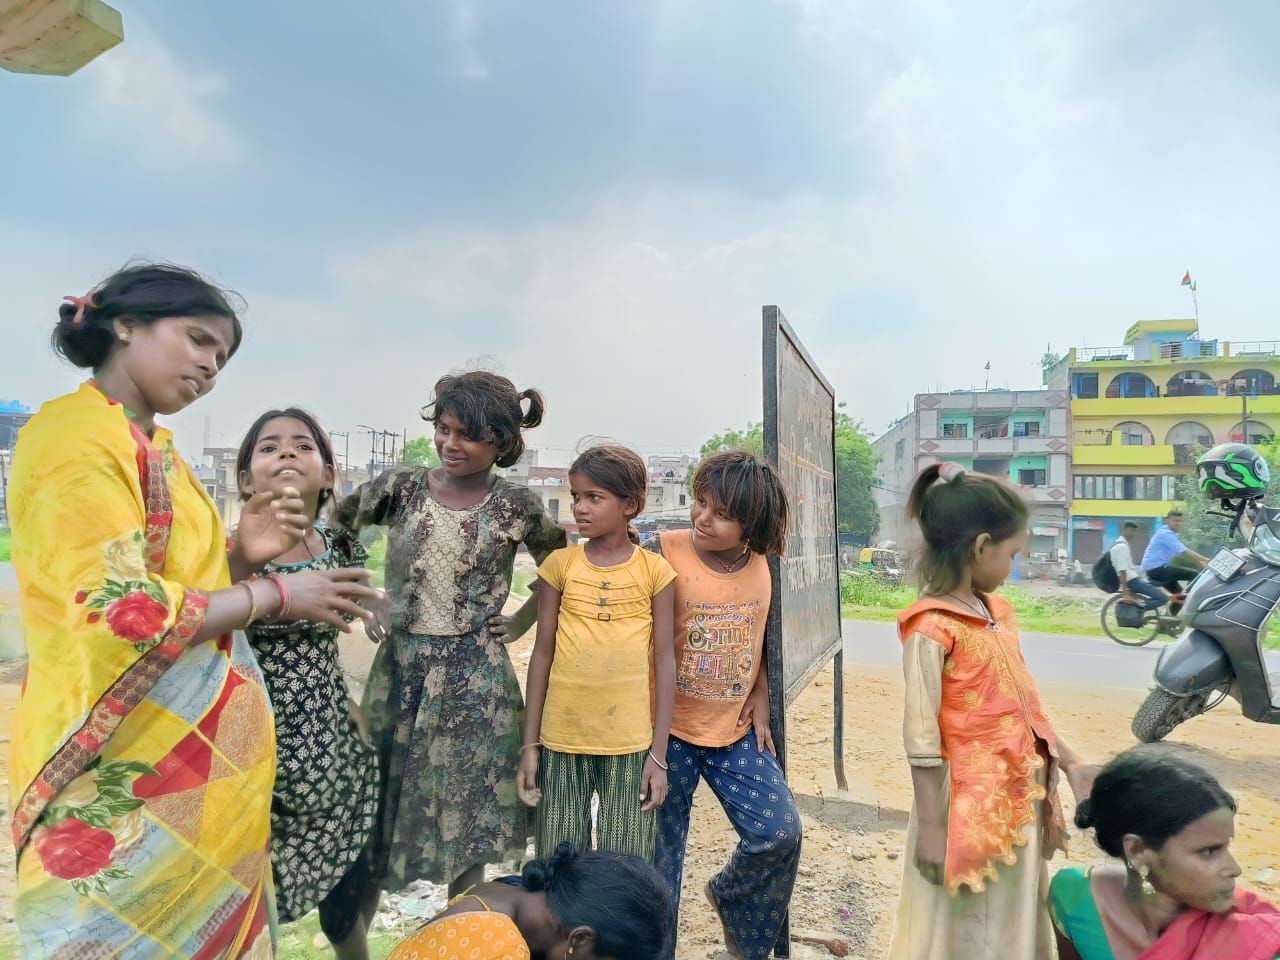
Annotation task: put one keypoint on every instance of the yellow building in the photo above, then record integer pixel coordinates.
(1141, 412)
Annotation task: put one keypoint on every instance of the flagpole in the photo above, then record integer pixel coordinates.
(1195, 302)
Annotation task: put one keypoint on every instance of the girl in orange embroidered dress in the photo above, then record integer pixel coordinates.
(984, 758)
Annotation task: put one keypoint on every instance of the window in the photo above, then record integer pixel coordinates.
(211, 489)
(1032, 478)
(684, 500)
(1256, 433)
(1134, 434)
(955, 431)
(1130, 385)
(1191, 383)
(1084, 386)
(1252, 383)
(1026, 428)
(553, 508)
(1190, 433)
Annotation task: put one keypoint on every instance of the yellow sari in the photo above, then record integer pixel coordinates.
(141, 765)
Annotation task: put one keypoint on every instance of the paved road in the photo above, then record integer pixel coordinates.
(1086, 661)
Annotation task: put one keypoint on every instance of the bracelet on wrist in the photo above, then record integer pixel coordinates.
(661, 765)
(530, 746)
(253, 603)
(283, 589)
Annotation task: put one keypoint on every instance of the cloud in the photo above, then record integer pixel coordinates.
(168, 110)
(463, 34)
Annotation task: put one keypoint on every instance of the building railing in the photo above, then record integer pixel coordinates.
(1256, 348)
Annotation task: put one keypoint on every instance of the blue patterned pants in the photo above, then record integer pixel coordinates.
(753, 891)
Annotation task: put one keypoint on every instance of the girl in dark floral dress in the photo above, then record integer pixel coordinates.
(326, 789)
(442, 701)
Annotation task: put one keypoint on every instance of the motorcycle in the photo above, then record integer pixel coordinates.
(1225, 620)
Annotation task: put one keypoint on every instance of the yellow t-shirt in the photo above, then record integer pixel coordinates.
(598, 695)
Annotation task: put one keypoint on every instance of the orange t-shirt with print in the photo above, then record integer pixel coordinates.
(719, 637)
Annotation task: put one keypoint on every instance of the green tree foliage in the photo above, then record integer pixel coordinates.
(856, 464)
(420, 452)
(1204, 533)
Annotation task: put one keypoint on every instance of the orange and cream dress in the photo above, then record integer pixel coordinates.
(483, 934)
(973, 710)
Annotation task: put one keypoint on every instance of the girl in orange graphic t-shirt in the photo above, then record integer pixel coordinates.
(720, 725)
(984, 757)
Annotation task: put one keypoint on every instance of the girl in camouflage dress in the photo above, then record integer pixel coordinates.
(443, 703)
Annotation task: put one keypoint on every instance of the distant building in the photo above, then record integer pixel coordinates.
(1142, 412)
(1019, 435)
(669, 469)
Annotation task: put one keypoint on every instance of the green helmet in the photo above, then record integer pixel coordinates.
(1233, 471)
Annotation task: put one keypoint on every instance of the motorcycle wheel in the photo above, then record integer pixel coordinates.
(1162, 711)
(1127, 636)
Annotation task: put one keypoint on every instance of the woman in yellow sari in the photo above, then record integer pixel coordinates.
(143, 751)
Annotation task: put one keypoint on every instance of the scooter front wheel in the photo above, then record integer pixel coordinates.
(1138, 636)
(1162, 711)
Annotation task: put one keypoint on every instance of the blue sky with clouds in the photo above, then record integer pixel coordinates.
(597, 198)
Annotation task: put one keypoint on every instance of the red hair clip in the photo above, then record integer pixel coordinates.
(80, 304)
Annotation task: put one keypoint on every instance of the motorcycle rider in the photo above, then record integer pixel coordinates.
(1136, 588)
(1167, 561)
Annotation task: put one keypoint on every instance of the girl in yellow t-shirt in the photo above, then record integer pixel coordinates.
(605, 618)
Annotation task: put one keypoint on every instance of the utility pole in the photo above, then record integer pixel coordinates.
(346, 454)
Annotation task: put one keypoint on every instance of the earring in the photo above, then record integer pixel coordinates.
(1144, 875)
(124, 338)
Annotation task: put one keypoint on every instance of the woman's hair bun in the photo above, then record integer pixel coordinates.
(540, 874)
(1084, 814)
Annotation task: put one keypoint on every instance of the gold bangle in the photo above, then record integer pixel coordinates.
(253, 604)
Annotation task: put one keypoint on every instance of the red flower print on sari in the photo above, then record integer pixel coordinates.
(73, 850)
(137, 617)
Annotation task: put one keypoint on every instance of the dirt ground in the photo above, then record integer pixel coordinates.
(852, 866)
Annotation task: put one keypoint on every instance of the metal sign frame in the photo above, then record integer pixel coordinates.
(778, 336)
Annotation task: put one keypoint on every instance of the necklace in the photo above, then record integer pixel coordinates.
(980, 608)
(728, 567)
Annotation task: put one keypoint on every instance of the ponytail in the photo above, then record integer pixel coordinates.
(954, 507)
(537, 406)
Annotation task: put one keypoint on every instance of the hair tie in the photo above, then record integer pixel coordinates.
(80, 304)
(950, 473)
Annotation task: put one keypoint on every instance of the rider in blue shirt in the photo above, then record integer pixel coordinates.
(1167, 561)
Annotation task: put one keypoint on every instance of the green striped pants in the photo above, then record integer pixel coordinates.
(567, 782)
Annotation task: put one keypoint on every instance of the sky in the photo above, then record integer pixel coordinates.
(597, 199)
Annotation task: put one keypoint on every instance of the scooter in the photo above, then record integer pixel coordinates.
(1225, 618)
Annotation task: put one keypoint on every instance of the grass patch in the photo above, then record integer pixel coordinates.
(867, 598)
(520, 581)
(4, 545)
(298, 941)
(377, 562)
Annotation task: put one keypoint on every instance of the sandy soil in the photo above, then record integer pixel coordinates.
(851, 867)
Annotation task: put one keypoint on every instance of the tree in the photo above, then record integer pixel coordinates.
(420, 452)
(856, 464)
(1205, 534)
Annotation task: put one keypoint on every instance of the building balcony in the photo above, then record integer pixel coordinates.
(1189, 407)
(992, 447)
(1045, 495)
(1091, 451)
(1121, 508)
(1178, 351)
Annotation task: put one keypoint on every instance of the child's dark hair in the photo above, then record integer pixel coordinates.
(622, 898)
(245, 455)
(145, 292)
(749, 489)
(1151, 795)
(954, 508)
(488, 407)
(616, 469)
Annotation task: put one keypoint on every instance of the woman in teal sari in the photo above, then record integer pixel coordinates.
(1171, 892)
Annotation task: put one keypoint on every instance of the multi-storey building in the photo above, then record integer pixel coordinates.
(1141, 412)
(1019, 435)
